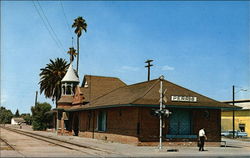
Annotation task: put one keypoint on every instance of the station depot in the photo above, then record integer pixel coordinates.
(106, 108)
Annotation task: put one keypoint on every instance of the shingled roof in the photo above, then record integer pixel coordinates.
(65, 99)
(96, 86)
(147, 94)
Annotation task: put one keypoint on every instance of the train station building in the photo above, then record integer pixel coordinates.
(107, 108)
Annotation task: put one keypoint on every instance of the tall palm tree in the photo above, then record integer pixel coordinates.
(80, 24)
(72, 53)
(50, 78)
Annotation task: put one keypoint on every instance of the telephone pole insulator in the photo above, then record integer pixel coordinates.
(148, 66)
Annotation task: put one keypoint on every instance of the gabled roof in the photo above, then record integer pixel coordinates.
(18, 119)
(70, 75)
(147, 94)
(126, 95)
(96, 86)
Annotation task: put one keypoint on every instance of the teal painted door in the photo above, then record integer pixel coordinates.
(180, 122)
(102, 121)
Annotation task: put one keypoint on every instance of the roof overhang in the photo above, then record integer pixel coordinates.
(59, 109)
(237, 101)
(152, 106)
(51, 112)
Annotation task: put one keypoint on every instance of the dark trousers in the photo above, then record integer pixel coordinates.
(202, 140)
(76, 131)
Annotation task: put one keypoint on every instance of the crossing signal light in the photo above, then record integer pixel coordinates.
(158, 112)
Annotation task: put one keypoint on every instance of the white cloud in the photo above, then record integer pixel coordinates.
(129, 68)
(167, 68)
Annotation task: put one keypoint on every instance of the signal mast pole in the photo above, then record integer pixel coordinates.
(161, 103)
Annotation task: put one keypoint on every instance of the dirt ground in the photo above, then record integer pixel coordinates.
(30, 147)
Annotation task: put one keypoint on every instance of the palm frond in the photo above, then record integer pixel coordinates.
(80, 24)
(51, 76)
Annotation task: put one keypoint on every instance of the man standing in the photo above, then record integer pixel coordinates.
(202, 137)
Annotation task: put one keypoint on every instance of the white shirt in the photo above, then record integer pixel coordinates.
(201, 133)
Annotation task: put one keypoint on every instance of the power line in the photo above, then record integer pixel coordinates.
(51, 35)
(68, 26)
(46, 26)
(50, 26)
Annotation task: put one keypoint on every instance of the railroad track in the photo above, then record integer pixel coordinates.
(8, 145)
(92, 151)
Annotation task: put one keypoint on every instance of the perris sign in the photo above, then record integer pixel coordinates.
(184, 98)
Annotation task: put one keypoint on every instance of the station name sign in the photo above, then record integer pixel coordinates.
(184, 98)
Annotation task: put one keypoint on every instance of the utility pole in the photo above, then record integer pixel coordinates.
(233, 93)
(233, 114)
(36, 98)
(148, 66)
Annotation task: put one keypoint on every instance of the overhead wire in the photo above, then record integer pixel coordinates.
(49, 27)
(25, 93)
(66, 19)
(68, 25)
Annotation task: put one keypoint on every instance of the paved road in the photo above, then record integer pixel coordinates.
(28, 147)
(238, 143)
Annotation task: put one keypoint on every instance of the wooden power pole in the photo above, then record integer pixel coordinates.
(148, 66)
(233, 112)
(36, 98)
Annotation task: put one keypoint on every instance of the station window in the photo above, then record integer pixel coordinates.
(102, 120)
(63, 90)
(242, 127)
(68, 90)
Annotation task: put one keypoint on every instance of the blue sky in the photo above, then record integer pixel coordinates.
(202, 46)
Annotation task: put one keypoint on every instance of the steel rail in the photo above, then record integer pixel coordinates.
(36, 136)
(5, 141)
(9, 145)
(43, 138)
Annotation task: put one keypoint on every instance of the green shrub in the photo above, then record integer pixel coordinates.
(5, 115)
(40, 119)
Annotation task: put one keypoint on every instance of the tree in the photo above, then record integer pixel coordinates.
(72, 53)
(80, 24)
(5, 115)
(50, 78)
(17, 113)
(41, 119)
(27, 118)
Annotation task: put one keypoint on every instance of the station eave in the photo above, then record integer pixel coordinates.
(152, 106)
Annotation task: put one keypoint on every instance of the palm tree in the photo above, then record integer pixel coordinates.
(50, 78)
(72, 53)
(80, 24)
